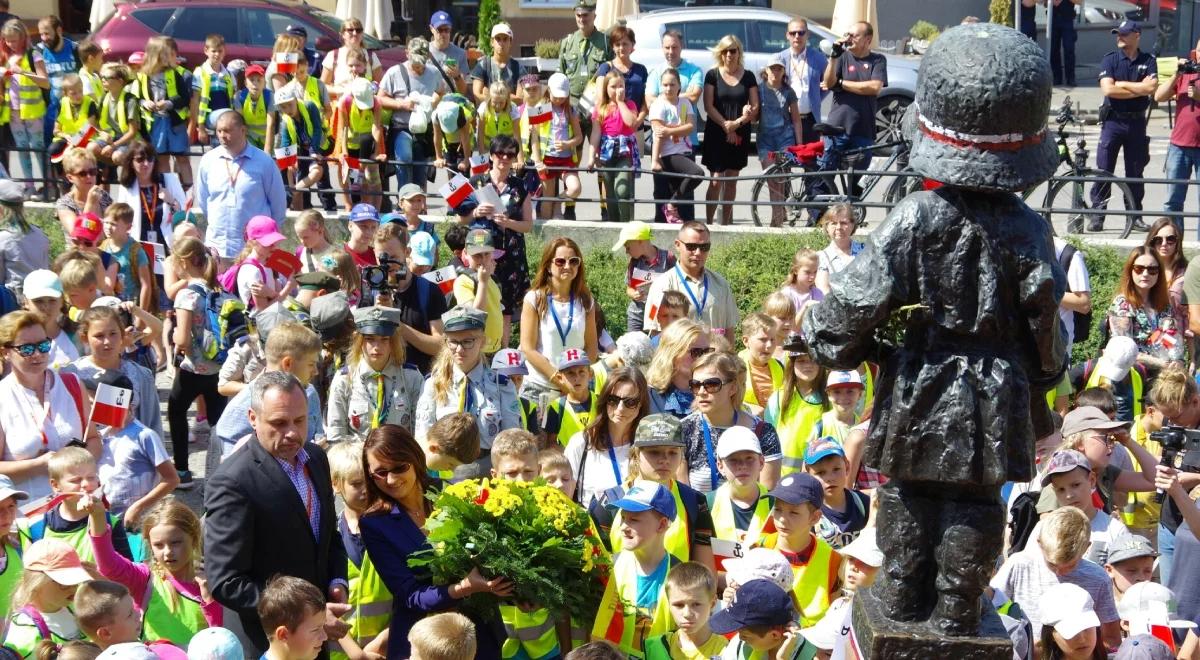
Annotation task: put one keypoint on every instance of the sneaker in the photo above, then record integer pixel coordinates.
(185, 481)
(200, 431)
(671, 215)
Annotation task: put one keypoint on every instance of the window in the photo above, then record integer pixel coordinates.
(704, 35)
(264, 26)
(196, 23)
(155, 19)
(772, 37)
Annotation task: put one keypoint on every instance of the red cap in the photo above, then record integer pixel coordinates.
(87, 227)
(255, 68)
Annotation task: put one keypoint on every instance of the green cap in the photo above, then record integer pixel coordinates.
(660, 430)
(319, 280)
(376, 320)
(589, 5)
(463, 318)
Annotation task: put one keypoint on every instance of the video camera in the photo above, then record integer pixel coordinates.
(1177, 441)
(1188, 66)
(385, 277)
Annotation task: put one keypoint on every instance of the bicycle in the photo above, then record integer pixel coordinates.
(1067, 201)
(789, 180)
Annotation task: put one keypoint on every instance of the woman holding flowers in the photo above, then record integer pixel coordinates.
(394, 529)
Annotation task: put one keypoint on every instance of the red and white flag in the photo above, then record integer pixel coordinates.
(286, 157)
(111, 404)
(283, 263)
(81, 137)
(38, 507)
(640, 276)
(539, 114)
(352, 162)
(285, 63)
(479, 164)
(443, 277)
(456, 191)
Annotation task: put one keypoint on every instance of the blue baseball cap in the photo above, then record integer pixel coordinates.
(822, 447)
(756, 603)
(439, 19)
(364, 213)
(393, 217)
(799, 488)
(1127, 27)
(423, 247)
(647, 496)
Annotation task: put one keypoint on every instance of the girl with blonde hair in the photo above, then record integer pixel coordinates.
(680, 345)
(165, 93)
(26, 77)
(731, 105)
(377, 387)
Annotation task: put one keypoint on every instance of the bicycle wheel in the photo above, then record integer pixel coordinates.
(776, 187)
(901, 187)
(1070, 208)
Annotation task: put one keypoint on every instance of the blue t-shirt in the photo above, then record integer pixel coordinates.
(58, 65)
(218, 94)
(635, 82)
(128, 465)
(650, 586)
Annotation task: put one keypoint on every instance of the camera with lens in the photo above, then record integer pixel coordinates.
(384, 278)
(1177, 441)
(1188, 66)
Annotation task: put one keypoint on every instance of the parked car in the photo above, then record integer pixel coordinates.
(249, 28)
(1101, 12)
(763, 33)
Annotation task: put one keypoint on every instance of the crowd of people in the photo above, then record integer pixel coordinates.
(338, 384)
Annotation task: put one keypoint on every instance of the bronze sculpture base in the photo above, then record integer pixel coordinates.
(880, 638)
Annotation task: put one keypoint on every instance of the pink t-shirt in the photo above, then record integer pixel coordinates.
(613, 124)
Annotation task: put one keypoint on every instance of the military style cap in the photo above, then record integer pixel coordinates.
(589, 5)
(463, 318)
(659, 430)
(480, 241)
(329, 313)
(376, 320)
(319, 280)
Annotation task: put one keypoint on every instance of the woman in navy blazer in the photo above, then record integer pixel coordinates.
(393, 529)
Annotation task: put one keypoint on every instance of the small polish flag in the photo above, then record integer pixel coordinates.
(285, 63)
(539, 114)
(352, 162)
(285, 157)
(38, 507)
(640, 276)
(456, 191)
(443, 277)
(111, 404)
(724, 549)
(652, 305)
(81, 137)
(479, 164)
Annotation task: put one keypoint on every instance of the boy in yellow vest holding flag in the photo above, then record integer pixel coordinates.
(572, 412)
(798, 501)
(77, 121)
(634, 606)
(741, 507)
(370, 599)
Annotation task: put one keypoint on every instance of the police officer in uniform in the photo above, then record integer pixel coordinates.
(1128, 77)
(580, 55)
(375, 387)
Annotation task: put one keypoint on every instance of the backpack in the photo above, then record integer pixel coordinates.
(228, 279)
(1022, 517)
(1083, 322)
(225, 322)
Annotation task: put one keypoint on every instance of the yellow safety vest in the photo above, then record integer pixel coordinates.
(10, 577)
(678, 540)
(361, 121)
(617, 620)
(794, 427)
(69, 121)
(312, 90)
(868, 397)
(1141, 510)
(496, 123)
(31, 103)
(572, 422)
(205, 74)
(530, 635)
(776, 370)
(122, 118)
(545, 138)
(289, 125)
(177, 625)
(372, 603)
(255, 114)
(1136, 381)
(724, 523)
(810, 582)
(171, 78)
(93, 79)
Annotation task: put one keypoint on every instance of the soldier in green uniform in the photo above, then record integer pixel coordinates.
(580, 55)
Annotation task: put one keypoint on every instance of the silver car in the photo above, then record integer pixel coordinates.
(763, 32)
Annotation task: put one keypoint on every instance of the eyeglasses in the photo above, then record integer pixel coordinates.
(561, 262)
(27, 350)
(505, 154)
(143, 159)
(797, 33)
(353, 30)
(631, 403)
(112, 78)
(1108, 439)
(464, 344)
(1138, 269)
(699, 352)
(92, 172)
(710, 385)
(1171, 239)
(692, 247)
(382, 474)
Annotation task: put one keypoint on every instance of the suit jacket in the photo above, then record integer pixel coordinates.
(256, 527)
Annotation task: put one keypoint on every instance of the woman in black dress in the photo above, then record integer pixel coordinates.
(731, 103)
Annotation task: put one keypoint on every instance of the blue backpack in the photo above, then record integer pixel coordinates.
(225, 322)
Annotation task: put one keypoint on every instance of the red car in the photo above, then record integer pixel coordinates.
(249, 27)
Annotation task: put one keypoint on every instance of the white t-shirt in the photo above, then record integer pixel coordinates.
(341, 72)
(62, 350)
(550, 341)
(249, 275)
(1077, 281)
(671, 114)
(1106, 529)
(1024, 576)
(596, 474)
(25, 421)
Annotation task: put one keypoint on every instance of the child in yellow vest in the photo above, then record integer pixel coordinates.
(213, 88)
(78, 118)
(634, 606)
(497, 115)
(120, 120)
(692, 594)
(762, 614)
(370, 599)
(844, 390)
(255, 103)
(165, 91)
(10, 546)
(798, 500)
(764, 374)
(554, 146)
(797, 407)
(572, 412)
(360, 132)
(861, 560)
(25, 81)
(41, 605)
(109, 618)
(476, 287)
(741, 507)
(91, 59)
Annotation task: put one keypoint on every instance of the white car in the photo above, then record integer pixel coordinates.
(763, 32)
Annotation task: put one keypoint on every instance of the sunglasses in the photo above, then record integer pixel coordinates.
(464, 344)
(382, 474)
(83, 242)
(1169, 240)
(699, 352)
(631, 403)
(27, 350)
(1108, 439)
(568, 261)
(143, 159)
(710, 385)
(692, 247)
(797, 33)
(92, 172)
(1138, 269)
(505, 154)
(353, 30)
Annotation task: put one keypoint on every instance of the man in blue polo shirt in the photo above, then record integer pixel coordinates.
(1128, 77)
(691, 86)
(61, 59)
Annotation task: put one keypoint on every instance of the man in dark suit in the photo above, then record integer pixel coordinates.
(270, 511)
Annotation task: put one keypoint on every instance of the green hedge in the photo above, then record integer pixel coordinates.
(753, 266)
